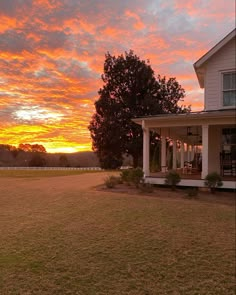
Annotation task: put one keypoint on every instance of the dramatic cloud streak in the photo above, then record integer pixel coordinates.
(52, 54)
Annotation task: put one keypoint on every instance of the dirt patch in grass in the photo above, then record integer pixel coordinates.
(60, 235)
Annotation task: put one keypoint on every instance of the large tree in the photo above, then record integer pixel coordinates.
(130, 90)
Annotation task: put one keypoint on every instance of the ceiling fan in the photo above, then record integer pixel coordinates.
(190, 132)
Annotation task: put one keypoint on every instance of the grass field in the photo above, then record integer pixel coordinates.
(60, 239)
(42, 173)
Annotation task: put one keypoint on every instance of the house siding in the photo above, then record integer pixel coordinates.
(223, 60)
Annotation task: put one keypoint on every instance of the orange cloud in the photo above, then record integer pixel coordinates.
(139, 25)
(7, 23)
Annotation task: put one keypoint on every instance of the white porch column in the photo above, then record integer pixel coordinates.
(146, 152)
(163, 153)
(204, 150)
(174, 164)
(182, 155)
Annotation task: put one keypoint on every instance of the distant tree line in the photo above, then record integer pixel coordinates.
(11, 156)
(36, 160)
(26, 147)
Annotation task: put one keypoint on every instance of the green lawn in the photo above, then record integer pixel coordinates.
(94, 242)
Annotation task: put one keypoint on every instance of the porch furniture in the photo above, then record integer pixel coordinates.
(226, 164)
(187, 168)
(164, 168)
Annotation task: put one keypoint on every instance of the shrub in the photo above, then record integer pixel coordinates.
(112, 181)
(172, 179)
(212, 181)
(132, 176)
(136, 175)
(125, 175)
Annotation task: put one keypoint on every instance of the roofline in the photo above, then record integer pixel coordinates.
(214, 49)
(199, 63)
(193, 115)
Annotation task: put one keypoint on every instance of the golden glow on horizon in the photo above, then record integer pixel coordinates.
(69, 150)
(60, 149)
(60, 145)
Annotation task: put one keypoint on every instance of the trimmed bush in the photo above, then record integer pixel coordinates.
(125, 175)
(212, 181)
(134, 176)
(172, 179)
(112, 181)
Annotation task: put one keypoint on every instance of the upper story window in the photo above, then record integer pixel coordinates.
(229, 89)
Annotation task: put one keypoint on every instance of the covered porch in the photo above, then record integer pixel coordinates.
(190, 143)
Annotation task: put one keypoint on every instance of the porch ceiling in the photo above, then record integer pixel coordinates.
(191, 135)
(187, 127)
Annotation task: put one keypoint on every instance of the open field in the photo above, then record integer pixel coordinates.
(59, 235)
(42, 172)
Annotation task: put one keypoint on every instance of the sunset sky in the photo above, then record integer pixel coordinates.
(52, 55)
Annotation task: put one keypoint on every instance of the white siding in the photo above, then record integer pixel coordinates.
(223, 60)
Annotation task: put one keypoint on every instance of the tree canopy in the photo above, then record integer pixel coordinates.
(130, 90)
(27, 147)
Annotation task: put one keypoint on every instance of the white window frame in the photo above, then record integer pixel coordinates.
(222, 88)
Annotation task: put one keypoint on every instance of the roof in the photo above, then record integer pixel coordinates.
(199, 64)
(198, 118)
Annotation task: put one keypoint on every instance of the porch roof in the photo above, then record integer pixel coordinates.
(219, 117)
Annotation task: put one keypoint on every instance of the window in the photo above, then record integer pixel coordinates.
(229, 141)
(228, 154)
(229, 89)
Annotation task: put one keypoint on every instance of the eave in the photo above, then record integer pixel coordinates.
(188, 119)
(199, 66)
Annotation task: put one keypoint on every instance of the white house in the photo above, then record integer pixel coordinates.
(202, 142)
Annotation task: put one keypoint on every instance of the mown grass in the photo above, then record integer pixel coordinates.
(42, 173)
(75, 242)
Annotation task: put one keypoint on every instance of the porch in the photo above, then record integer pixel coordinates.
(192, 144)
